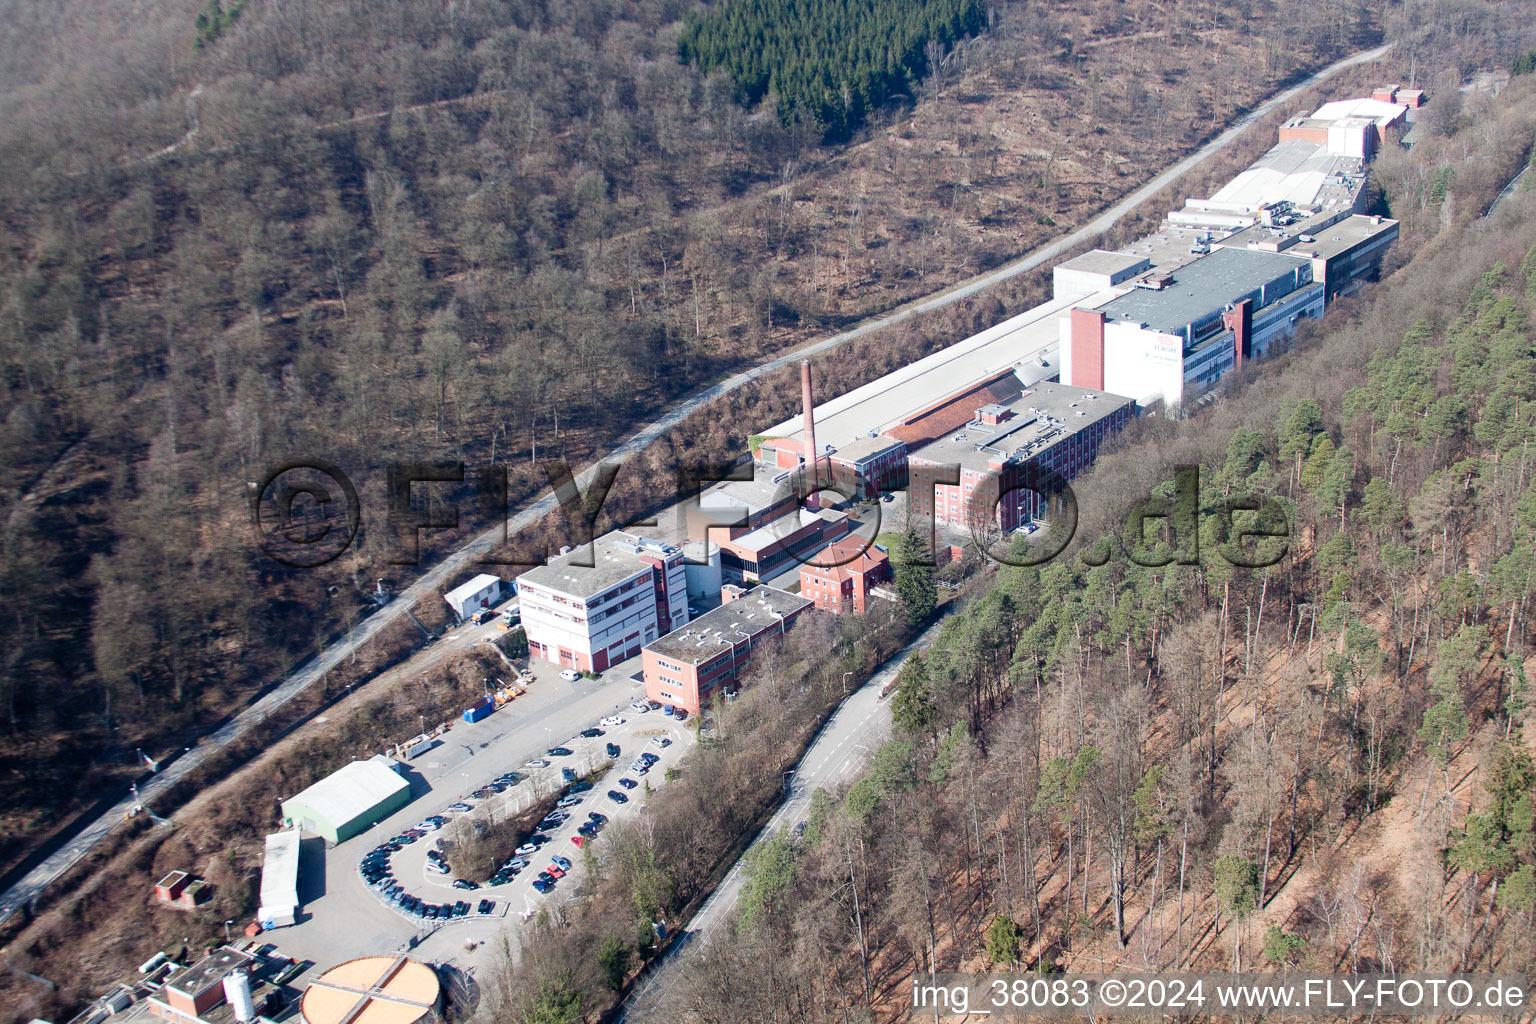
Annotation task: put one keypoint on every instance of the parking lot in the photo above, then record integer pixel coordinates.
(343, 917)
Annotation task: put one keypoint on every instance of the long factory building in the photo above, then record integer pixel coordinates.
(1153, 325)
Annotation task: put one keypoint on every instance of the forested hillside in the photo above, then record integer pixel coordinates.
(484, 231)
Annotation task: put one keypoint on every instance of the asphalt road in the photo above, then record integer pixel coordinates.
(466, 558)
(859, 725)
(1507, 191)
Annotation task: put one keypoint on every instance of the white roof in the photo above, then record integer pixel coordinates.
(347, 793)
(464, 591)
(280, 871)
(1380, 112)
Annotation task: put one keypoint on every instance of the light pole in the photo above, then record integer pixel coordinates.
(226, 930)
(845, 682)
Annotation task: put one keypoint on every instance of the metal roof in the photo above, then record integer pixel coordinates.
(351, 791)
(464, 591)
(1379, 111)
(1294, 171)
(280, 872)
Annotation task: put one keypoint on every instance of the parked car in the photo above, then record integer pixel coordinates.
(538, 840)
(613, 750)
(515, 864)
(511, 778)
(667, 710)
(553, 819)
(559, 752)
(537, 762)
(485, 906)
(611, 721)
(569, 801)
(545, 876)
(654, 705)
(460, 807)
(640, 706)
(681, 714)
(460, 909)
(568, 774)
(566, 864)
(588, 828)
(589, 733)
(482, 792)
(543, 886)
(464, 883)
(527, 849)
(662, 742)
(617, 797)
(601, 819)
(628, 783)
(556, 870)
(570, 675)
(580, 786)
(436, 867)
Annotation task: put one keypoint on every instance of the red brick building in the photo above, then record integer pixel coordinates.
(844, 575)
(688, 666)
(982, 475)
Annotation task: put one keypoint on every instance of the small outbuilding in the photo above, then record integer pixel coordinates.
(484, 591)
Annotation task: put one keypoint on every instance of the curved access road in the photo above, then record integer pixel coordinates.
(465, 558)
(859, 725)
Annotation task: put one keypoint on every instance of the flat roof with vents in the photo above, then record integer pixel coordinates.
(1042, 417)
(1207, 285)
(616, 557)
(755, 612)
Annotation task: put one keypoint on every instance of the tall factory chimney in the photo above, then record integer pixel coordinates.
(812, 483)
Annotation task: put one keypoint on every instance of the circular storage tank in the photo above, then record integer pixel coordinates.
(703, 580)
(373, 990)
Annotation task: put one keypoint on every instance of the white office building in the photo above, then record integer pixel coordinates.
(589, 617)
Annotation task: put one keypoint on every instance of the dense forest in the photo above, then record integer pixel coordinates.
(831, 60)
(480, 230)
